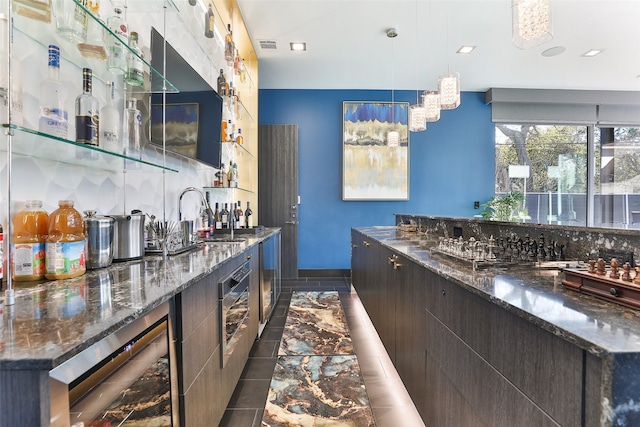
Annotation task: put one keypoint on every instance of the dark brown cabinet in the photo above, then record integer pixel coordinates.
(465, 360)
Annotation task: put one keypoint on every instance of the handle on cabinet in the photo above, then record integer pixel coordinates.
(248, 256)
(614, 292)
(393, 259)
(396, 265)
(364, 242)
(291, 222)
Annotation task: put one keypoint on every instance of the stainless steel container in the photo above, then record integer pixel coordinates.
(99, 230)
(188, 238)
(128, 236)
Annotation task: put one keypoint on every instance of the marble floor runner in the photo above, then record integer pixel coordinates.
(317, 379)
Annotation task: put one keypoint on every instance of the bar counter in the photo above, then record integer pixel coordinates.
(54, 320)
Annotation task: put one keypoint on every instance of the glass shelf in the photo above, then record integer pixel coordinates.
(234, 145)
(31, 143)
(244, 190)
(45, 34)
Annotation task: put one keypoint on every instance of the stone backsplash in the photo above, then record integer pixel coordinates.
(580, 243)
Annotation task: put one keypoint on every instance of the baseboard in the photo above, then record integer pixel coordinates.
(324, 272)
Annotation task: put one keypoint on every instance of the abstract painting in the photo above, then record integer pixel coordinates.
(375, 151)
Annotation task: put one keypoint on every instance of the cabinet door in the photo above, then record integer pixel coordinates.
(387, 279)
(411, 330)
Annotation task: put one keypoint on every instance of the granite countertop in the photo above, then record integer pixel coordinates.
(54, 320)
(534, 294)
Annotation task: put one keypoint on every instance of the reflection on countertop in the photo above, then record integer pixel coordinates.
(53, 320)
(535, 294)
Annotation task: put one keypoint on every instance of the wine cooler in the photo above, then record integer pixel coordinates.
(127, 378)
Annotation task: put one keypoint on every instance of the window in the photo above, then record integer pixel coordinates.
(548, 165)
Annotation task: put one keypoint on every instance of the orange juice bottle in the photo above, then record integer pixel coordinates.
(28, 237)
(65, 243)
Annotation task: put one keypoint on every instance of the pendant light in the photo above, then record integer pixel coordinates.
(417, 112)
(449, 84)
(393, 137)
(431, 99)
(531, 23)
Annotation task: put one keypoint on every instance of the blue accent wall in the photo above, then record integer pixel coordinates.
(451, 166)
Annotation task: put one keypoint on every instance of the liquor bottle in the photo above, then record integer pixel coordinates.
(93, 47)
(71, 20)
(223, 175)
(217, 218)
(87, 113)
(53, 97)
(210, 217)
(221, 83)
(243, 71)
(131, 129)
(239, 216)
(110, 125)
(234, 175)
(239, 138)
(230, 174)
(229, 131)
(223, 130)
(209, 22)
(236, 63)
(135, 67)
(229, 46)
(117, 61)
(248, 215)
(224, 216)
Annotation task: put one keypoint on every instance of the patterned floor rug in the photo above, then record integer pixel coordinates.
(317, 379)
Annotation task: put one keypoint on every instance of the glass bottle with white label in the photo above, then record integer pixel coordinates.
(135, 67)
(53, 98)
(87, 112)
(131, 130)
(110, 122)
(116, 49)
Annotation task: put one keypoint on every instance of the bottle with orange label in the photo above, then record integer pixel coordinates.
(65, 244)
(28, 237)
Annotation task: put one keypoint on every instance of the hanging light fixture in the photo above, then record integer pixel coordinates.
(449, 84)
(431, 104)
(417, 112)
(531, 23)
(393, 137)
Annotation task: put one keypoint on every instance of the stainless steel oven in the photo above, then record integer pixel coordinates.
(234, 310)
(127, 378)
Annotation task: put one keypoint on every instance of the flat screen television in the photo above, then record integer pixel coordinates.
(193, 116)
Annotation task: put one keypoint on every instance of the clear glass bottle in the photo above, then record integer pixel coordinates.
(110, 122)
(131, 130)
(54, 119)
(87, 113)
(229, 46)
(93, 47)
(209, 21)
(71, 20)
(248, 216)
(135, 67)
(243, 71)
(117, 51)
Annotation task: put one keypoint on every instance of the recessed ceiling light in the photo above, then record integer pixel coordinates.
(298, 46)
(554, 51)
(592, 52)
(465, 49)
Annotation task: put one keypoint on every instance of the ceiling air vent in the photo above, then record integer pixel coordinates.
(268, 44)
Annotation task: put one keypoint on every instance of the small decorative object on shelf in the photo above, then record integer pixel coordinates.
(209, 20)
(229, 46)
(87, 113)
(53, 97)
(135, 67)
(93, 47)
(71, 20)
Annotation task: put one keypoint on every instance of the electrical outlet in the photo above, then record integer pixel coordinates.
(476, 205)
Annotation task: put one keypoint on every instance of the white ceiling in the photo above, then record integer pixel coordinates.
(347, 46)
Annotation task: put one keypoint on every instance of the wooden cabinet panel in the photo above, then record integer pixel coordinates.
(546, 368)
(202, 405)
(492, 399)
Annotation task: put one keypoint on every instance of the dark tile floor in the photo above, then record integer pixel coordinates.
(389, 400)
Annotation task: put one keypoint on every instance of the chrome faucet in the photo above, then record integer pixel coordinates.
(204, 201)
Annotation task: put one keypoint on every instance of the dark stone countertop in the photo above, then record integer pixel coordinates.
(54, 320)
(532, 293)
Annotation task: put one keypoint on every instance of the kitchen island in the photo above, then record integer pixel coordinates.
(496, 346)
(54, 323)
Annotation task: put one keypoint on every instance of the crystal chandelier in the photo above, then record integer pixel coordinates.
(531, 23)
(449, 88)
(431, 104)
(417, 118)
